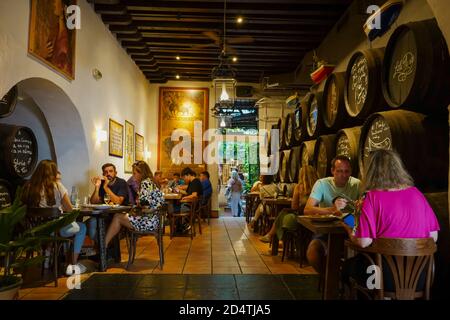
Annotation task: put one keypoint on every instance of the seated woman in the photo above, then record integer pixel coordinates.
(392, 208)
(44, 190)
(287, 219)
(267, 189)
(148, 195)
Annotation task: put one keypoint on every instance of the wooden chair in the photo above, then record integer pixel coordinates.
(187, 215)
(205, 209)
(406, 260)
(38, 216)
(133, 235)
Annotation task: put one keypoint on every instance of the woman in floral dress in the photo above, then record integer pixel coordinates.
(148, 195)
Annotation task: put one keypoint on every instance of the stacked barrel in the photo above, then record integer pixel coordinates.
(19, 151)
(388, 98)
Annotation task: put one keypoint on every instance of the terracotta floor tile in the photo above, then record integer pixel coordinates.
(43, 296)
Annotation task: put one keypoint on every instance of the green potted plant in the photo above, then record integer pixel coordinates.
(14, 245)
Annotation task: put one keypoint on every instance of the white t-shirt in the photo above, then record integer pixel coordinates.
(59, 191)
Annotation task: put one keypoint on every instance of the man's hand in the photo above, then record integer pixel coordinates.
(107, 181)
(340, 203)
(97, 182)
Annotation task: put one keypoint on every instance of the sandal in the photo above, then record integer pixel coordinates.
(266, 239)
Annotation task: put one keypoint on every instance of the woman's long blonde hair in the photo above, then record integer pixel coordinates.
(385, 170)
(143, 168)
(43, 178)
(306, 179)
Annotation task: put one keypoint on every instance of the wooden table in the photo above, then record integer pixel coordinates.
(101, 214)
(335, 252)
(276, 205)
(172, 196)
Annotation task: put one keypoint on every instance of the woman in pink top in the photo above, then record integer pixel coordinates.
(392, 207)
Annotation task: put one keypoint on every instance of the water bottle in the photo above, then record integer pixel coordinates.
(74, 196)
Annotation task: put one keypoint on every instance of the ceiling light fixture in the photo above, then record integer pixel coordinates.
(177, 76)
(240, 20)
(177, 57)
(235, 59)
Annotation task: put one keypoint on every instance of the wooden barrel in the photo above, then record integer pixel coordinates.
(300, 124)
(421, 142)
(270, 139)
(324, 152)
(416, 68)
(307, 152)
(314, 121)
(6, 198)
(284, 168)
(363, 93)
(281, 124)
(439, 204)
(294, 164)
(347, 144)
(289, 130)
(8, 102)
(334, 114)
(287, 189)
(19, 151)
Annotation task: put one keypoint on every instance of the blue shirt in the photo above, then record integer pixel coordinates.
(207, 189)
(324, 191)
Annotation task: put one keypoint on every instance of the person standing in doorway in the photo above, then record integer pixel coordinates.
(235, 187)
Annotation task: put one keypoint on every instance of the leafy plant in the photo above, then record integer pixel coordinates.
(13, 244)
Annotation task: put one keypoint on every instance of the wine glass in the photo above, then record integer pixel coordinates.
(107, 198)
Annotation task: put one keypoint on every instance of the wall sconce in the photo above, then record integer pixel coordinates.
(102, 135)
(147, 154)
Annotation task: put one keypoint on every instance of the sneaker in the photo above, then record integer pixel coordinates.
(78, 268)
(265, 239)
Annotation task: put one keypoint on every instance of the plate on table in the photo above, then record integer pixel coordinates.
(322, 218)
(98, 206)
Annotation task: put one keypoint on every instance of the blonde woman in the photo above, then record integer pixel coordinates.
(392, 208)
(287, 219)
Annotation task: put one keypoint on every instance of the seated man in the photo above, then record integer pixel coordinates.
(206, 186)
(320, 202)
(108, 188)
(194, 191)
(176, 181)
(159, 180)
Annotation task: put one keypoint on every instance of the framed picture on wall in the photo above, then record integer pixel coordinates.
(139, 152)
(50, 40)
(129, 147)
(115, 139)
(180, 109)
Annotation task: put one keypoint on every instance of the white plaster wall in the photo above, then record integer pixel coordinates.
(122, 94)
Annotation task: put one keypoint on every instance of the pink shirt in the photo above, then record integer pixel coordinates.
(396, 214)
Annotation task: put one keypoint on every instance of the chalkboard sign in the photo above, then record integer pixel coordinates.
(18, 151)
(5, 194)
(8, 102)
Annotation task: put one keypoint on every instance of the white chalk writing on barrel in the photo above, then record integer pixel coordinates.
(360, 81)
(379, 137)
(404, 67)
(343, 146)
(22, 149)
(5, 198)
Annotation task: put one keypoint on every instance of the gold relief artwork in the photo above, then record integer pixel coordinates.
(129, 147)
(50, 40)
(179, 109)
(115, 139)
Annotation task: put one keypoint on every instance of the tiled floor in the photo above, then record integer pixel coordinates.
(197, 287)
(226, 247)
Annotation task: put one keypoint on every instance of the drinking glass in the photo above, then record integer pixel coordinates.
(107, 198)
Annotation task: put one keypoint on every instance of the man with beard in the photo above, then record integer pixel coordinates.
(110, 186)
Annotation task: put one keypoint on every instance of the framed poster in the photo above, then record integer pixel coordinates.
(179, 109)
(115, 139)
(129, 147)
(139, 152)
(49, 39)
